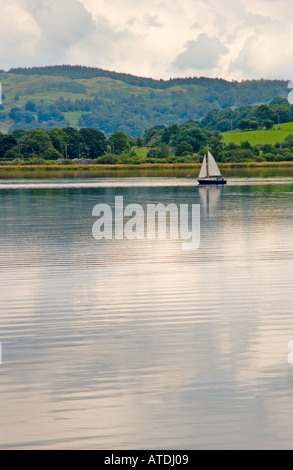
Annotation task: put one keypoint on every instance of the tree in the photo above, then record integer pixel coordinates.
(253, 125)
(95, 141)
(183, 148)
(44, 115)
(267, 148)
(240, 155)
(24, 116)
(246, 124)
(224, 125)
(288, 142)
(246, 145)
(279, 101)
(169, 133)
(119, 142)
(13, 112)
(281, 114)
(35, 141)
(139, 142)
(18, 133)
(152, 153)
(52, 154)
(58, 139)
(12, 154)
(75, 144)
(163, 151)
(193, 135)
(268, 123)
(30, 106)
(264, 112)
(7, 142)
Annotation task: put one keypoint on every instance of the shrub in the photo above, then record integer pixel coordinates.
(268, 123)
(12, 155)
(52, 154)
(35, 161)
(108, 159)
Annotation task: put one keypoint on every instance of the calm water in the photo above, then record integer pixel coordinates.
(137, 344)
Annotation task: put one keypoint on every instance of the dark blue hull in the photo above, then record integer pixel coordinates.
(212, 181)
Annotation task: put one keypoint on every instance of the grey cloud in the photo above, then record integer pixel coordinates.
(265, 53)
(63, 23)
(43, 31)
(152, 21)
(64, 32)
(201, 54)
(147, 21)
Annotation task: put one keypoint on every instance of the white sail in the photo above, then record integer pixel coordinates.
(203, 172)
(213, 169)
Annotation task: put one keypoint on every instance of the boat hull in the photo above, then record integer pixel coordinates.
(212, 181)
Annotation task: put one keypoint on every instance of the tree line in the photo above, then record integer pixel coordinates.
(228, 92)
(278, 111)
(159, 144)
(133, 115)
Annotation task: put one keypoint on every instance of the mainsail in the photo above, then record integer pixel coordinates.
(213, 169)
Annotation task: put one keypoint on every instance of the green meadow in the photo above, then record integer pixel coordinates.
(262, 136)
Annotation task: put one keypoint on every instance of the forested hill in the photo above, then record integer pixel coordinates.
(58, 96)
(236, 93)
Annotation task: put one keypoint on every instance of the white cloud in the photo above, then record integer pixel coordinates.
(62, 23)
(158, 38)
(204, 53)
(19, 34)
(38, 32)
(267, 53)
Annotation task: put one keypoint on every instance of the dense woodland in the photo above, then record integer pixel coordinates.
(278, 111)
(160, 144)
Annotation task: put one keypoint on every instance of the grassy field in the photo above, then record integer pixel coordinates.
(262, 136)
(73, 116)
(4, 126)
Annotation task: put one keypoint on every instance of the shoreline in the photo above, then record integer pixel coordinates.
(143, 166)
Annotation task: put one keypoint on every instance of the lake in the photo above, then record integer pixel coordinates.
(137, 344)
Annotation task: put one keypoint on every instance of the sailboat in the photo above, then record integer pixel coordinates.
(210, 173)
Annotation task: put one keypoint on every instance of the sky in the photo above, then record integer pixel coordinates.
(231, 39)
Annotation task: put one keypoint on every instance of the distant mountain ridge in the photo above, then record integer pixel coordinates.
(78, 72)
(92, 97)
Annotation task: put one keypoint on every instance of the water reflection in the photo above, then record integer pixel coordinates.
(209, 198)
(136, 344)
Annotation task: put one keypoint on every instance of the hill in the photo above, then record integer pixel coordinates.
(260, 137)
(61, 96)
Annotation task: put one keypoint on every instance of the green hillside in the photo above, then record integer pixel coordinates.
(101, 102)
(263, 136)
(61, 96)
